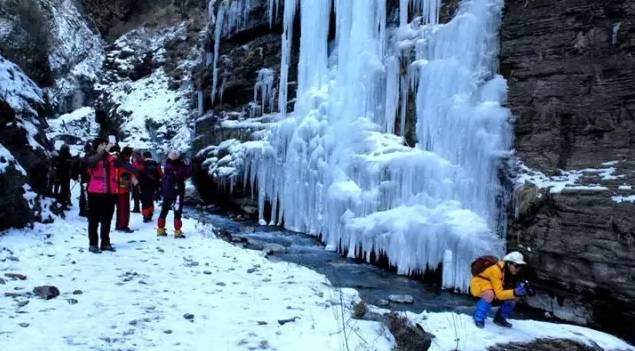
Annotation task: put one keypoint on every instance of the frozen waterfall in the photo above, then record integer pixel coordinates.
(336, 165)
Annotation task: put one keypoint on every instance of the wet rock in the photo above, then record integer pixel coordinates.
(382, 302)
(408, 336)
(405, 299)
(15, 276)
(46, 292)
(273, 249)
(360, 309)
(545, 345)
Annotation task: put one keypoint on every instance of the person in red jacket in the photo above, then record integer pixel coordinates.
(102, 190)
(126, 178)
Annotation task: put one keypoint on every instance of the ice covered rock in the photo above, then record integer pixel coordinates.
(46, 292)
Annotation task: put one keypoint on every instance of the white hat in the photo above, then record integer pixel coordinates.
(514, 257)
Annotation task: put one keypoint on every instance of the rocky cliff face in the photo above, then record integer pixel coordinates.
(24, 148)
(571, 76)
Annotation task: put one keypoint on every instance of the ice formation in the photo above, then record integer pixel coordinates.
(335, 167)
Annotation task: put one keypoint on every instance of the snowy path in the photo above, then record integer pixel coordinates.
(136, 298)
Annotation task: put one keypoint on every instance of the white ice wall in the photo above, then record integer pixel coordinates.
(334, 166)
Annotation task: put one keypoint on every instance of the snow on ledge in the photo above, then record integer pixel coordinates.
(619, 199)
(567, 180)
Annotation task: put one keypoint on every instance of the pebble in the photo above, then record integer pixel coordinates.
(77, 292)
(71, 301)
(24, 325)
(188, 316)
(207, 272)
(15, 276)
(46, 292)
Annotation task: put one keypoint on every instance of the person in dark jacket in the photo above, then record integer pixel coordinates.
(102, 194)
(149, 179)
(82, 173)
(175, 172)
(63, 164)
(137, 163)
(126, 177)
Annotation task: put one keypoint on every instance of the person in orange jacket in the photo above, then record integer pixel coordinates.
(126, 175)
(496, 283)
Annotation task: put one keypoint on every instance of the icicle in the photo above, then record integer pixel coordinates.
(264, 88)
(218, 29)
(273, 11)
(290, 7)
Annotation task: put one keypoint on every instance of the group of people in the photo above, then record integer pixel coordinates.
(108, 176)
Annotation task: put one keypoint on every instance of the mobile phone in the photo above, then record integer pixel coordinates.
(112, 140)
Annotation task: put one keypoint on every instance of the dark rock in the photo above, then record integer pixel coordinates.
(408, 337)
(2, 281)
(262, 323)
(405, 299)
(273, 249)
(77, 292)
(46, 292)
(24, 325)
(360, 309)
(168, 331)
(545, 345)
(188, 316)
(285, 321)
(13, 258)
(71, 301)
(23, 303)
(15, 276)
(571, 74)
(207, 272)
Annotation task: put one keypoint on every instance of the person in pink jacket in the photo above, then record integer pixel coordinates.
(102, 194)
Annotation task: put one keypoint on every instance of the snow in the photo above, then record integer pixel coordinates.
(80, 124)
(18, 90)
(7, 160)
(410, 202)
(153, 113)
(77, 55)
(457, 332)
(568, 180)
(136, 298)
(620, 198)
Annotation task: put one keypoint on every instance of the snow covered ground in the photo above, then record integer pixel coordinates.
(137, 298)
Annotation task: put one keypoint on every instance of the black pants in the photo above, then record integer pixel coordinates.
(83, 205)
(136, 199)
(100, 210)
(166, 206)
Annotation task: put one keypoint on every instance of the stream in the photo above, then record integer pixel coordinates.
(373, 283)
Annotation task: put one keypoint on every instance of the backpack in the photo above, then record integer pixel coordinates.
(149, 176)
(482, 263)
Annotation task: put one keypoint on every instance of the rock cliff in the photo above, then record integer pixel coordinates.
(571, 77)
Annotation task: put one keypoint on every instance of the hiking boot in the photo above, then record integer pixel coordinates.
(126, 230)
(479, 324)
(161, 232)
(147, 219)
(136, 210)
(501, 321)
(94, 249)
(108, 248)
(178, 234)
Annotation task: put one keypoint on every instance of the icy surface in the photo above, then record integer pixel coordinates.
(80, 124)
(334, 167)
(7, 160)
(137, 297)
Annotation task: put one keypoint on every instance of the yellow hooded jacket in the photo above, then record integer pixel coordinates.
(491, 279)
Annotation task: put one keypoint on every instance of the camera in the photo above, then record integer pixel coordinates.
(528, 288)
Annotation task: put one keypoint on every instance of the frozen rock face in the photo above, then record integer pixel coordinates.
(24, 148)
(54, 44)
(570, 71)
